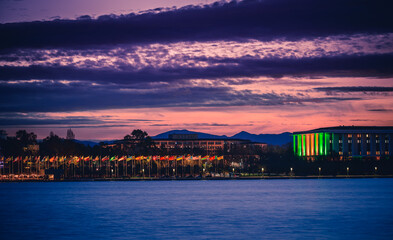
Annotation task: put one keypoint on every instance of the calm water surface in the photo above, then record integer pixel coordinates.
(249, 209)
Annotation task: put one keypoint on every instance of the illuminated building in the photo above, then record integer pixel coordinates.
(344, 142)
(192, 142)
(209, 144)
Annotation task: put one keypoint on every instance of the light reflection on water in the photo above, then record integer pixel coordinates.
(249, 209)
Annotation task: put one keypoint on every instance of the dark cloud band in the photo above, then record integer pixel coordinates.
(346, 66)
(265, 20)
(48, 97)
(355, 89)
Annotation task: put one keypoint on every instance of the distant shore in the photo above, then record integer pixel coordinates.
(197, 178)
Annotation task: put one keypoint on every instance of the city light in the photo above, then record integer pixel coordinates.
(312, 144)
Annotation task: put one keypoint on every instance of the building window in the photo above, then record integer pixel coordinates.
(386, 143)
(359, 148)
(377, 145)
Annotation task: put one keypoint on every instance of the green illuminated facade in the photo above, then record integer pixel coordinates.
(312, 144)
(344, 142)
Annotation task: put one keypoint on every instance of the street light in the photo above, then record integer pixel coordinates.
(375, 170)
(347, 171)
(263, 170)
(143, 173)
(319, 170)
(291, 170)
(173, 171)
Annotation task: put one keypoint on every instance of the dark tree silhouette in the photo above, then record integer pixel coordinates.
(70, 135)
(26, 138)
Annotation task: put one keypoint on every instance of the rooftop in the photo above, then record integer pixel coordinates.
(351, 129)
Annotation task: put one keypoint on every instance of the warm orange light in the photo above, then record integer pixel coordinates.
(308, 144)
(312, 144)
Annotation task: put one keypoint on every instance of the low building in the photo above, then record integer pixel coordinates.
(211, 145)
(344, 142)
(191, 142)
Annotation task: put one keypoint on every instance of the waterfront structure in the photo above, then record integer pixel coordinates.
(344, 142)
(124, 166)
(211, 145)
(192, 142)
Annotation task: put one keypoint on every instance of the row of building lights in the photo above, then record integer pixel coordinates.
(319, 170)
(263, 170)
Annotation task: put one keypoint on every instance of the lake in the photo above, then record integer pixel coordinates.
(223, 209)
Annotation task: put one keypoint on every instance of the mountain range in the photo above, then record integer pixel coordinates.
(273, 139)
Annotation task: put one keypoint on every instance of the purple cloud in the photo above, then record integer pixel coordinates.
(265, 20)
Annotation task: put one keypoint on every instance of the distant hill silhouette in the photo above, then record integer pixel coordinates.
(275, 139)
(92, 143)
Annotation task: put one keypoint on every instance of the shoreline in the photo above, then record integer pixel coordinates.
(198, 179)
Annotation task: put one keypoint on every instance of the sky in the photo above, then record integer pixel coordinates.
(104, 68)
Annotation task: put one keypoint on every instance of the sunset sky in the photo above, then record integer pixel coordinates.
(104, 68)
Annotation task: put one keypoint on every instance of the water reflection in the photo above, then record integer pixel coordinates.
(279, 209)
